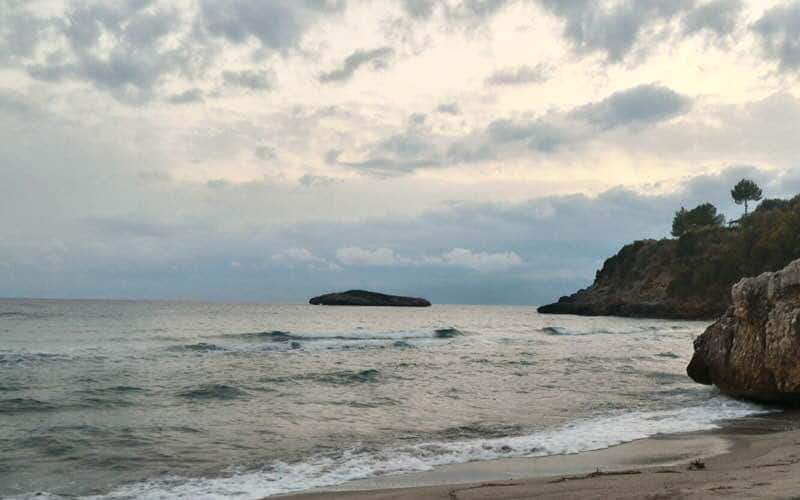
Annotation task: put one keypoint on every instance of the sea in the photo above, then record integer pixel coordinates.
(162, 400)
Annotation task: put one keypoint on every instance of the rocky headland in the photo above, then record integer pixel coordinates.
(365, 298)
(641, 281)
(753, 350)
(689, 277)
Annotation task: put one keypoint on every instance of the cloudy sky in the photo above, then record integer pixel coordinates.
(471, 151)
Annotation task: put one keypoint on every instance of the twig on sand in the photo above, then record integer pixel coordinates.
(597, 473)
(454, 493)
(782, 463)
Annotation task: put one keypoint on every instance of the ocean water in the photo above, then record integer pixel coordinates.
(168, 400)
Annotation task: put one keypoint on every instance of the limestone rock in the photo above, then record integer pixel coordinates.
(753, 351)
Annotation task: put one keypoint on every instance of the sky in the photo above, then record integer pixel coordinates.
(468, 151)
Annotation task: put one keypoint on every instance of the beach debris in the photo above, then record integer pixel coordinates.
(595, 474)
(454, 493)
(697, 464)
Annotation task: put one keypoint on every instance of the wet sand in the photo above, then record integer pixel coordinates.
(756, 457)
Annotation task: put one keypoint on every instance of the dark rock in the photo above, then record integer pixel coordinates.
(364, 298)
(697, 465)
(753, 351)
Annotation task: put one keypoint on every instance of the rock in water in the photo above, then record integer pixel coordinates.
(364, 298)
(753, 351)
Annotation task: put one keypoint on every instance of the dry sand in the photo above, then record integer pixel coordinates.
(750, 458)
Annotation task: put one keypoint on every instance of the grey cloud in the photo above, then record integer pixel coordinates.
(131, 48)
(522, 75)
(266, 153)
(13, 103)
(250, 79)
(409, 143)
(130, 227)
(615, 30)
(419, 9)
(506, 130)
(545, 135)
(385, 167)
(717, 16)
(378, 58)
(763, 131)
(464, 11)
(276, 25)
(550, 137)
(20, 30)
(116, 47)
(420, 147)
(398, 154)
(218, 184)
(154, 176)
(132, 21)
(450, 108)
(187, 97)
(560, 240)
(471, 10)
(176, 239)
(311, 180)
(779, 32)
(417, 119)
(466, 151)
(639, 105)
(332, 156)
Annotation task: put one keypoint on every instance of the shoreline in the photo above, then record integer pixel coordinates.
(752, 457)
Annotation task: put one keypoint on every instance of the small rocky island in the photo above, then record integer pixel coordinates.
(365, 298)
(753, 350)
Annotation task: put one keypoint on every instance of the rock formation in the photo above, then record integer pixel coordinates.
(690, 277)
(753, 351)
(644, 280)
(365, 298)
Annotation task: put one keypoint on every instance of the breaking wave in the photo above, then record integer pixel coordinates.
(475, 444)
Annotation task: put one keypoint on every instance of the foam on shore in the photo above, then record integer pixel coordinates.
(359, 463)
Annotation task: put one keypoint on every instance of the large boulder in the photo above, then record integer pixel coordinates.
(365, 298)
(753, 351)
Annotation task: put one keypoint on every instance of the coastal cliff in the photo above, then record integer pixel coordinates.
(753, 350)
(689, 277)
(652, 278)
(365, 298)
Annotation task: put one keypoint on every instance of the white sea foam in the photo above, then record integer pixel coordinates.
(322, 471)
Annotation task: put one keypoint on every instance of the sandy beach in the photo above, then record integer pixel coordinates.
(755, 457)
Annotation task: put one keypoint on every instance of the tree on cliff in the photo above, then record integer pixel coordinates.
(745, 191)
(701, 216)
